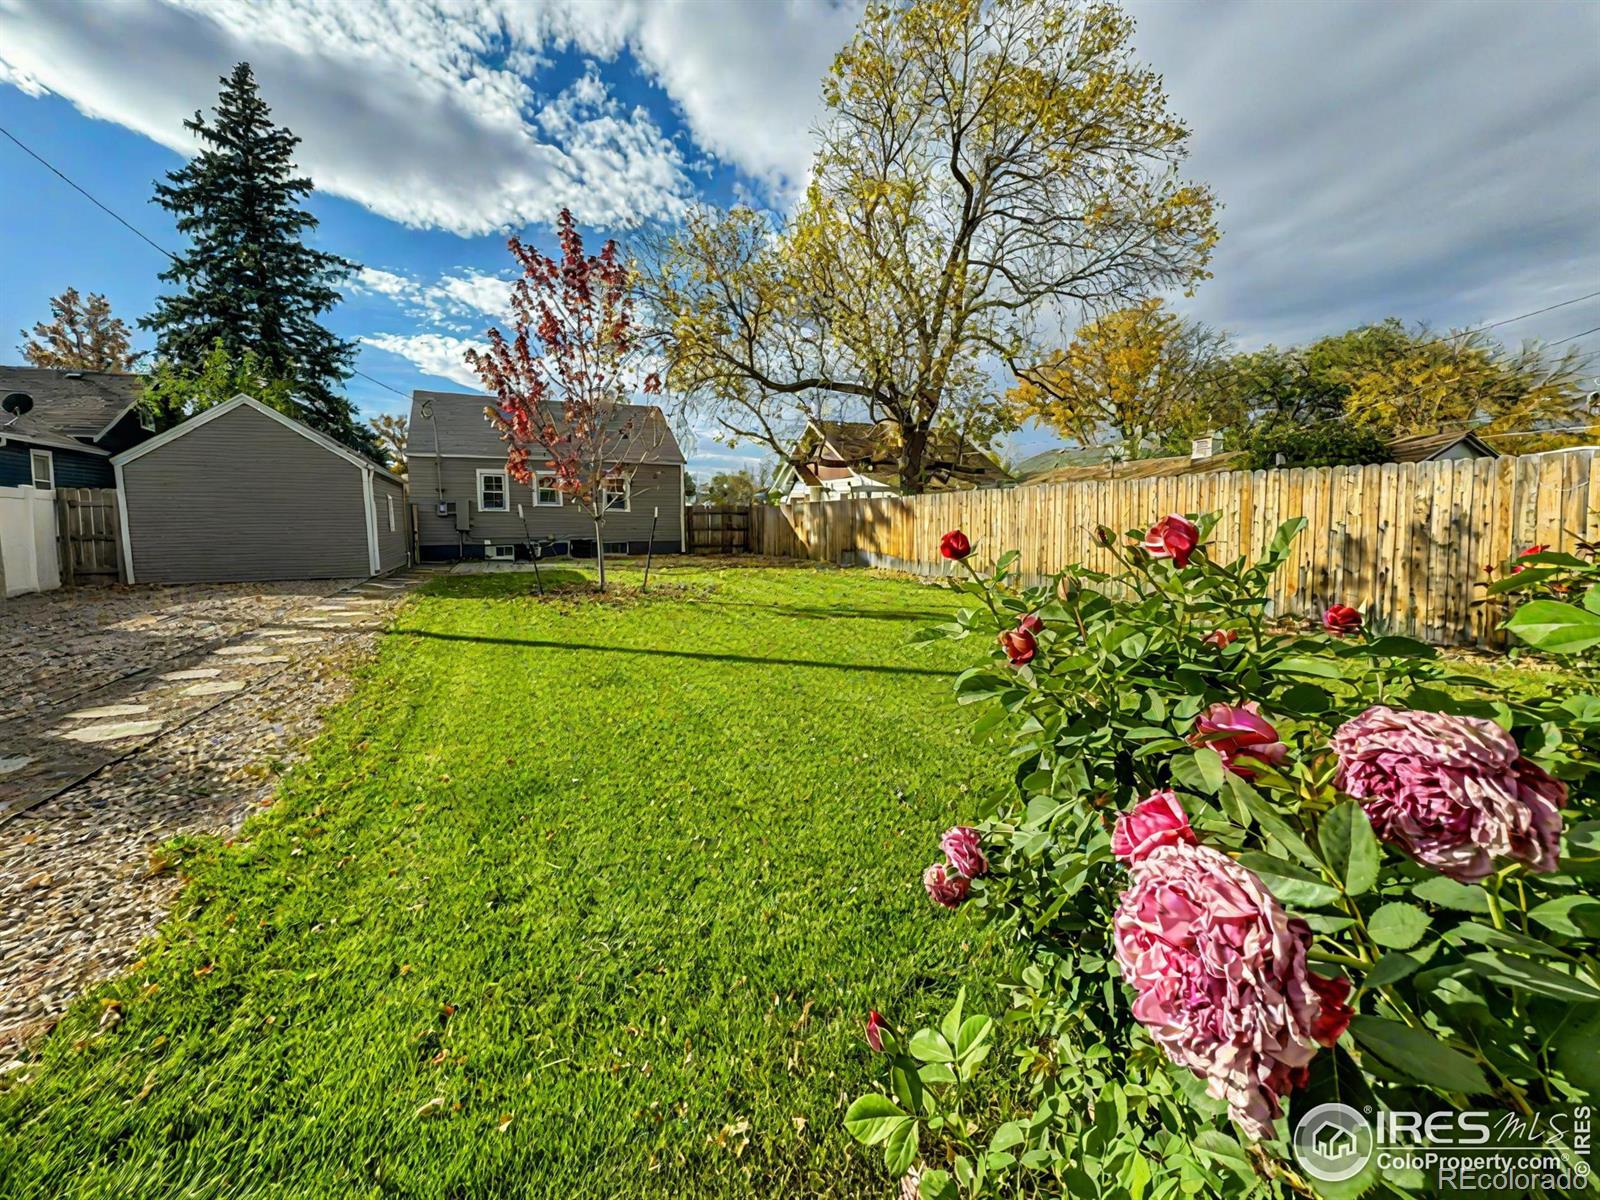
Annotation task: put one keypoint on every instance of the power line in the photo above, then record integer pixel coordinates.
(1575, 336)
(135, 230)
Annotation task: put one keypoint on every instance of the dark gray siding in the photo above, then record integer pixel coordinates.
(241, 497)
(72, 470)
(652, 486)
(393, 545)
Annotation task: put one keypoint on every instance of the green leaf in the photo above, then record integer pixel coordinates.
(1295, 886)
(1225, 1151)
(1398, 925)
(1350, 846)
(937, 1185)
(1528, 976)
(1575, 916)
(900, 1147)
(1418, 1054)
(951, 1025)
(1012, 1133)
(906, 1083)
(929, 1046)
(1577, 1052)
(1391, 968)
(872, 1118)
(1266, 816)
(1554, 627)
(1447, 893)
(1317, 668)
(1201, 772)
(974, 1032)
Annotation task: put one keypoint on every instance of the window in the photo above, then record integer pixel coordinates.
(44, 469)
(545, 492)
(390, 499)
(492, 491)
(617, 495)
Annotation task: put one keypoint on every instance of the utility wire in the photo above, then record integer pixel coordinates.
(1575, 336)
(134, 229)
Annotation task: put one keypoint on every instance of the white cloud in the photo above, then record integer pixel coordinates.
(399, 106)
(446, 300)
(431, 353)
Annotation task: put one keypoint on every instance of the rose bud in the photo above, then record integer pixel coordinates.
(1019, 645)
(963, 848)
(1341, 620)
(955, 545)
(944, 888)
(1067, 588)
(1031, 623)
(1220, 638)
(875, 1029)
(1172, 537)
(1528, 553)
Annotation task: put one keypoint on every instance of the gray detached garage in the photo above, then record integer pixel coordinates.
(243, 492)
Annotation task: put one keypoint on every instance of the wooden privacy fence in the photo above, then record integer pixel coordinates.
(718, 529)
(87, 533)
(1405, 542)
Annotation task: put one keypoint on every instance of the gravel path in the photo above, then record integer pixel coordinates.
(155, 712)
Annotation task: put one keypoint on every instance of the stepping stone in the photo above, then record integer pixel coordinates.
(16, 763)
(115, 731)
(245, 649)
(256, 660)
(289, 639)
(192, 673)
(215, 687)
(109, 710)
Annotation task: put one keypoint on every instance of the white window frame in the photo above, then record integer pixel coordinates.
(538, 503)
(34, 457)
(390, 500)
(505, 491)
(627, 496)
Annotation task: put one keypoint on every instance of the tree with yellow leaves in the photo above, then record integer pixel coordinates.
(1141, 376)
(982, 165)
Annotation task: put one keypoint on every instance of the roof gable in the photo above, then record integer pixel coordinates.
(74, 404)
(452, 424)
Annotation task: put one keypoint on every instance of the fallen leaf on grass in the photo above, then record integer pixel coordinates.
(431, 1107)
(505, 1122)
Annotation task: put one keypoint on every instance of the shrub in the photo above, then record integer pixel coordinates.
(1254, 872)
(1283, 442)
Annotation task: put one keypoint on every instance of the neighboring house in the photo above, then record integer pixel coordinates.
(468, 506)
(243, 492)
(1432, 447)
(841, 460)
(71, 424)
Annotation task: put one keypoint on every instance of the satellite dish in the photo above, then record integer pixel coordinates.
(17, 403)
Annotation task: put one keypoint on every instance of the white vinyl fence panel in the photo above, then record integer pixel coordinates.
(28, 561)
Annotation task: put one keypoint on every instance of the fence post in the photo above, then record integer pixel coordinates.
(65, 553)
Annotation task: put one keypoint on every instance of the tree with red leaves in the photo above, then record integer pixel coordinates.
(563, 382)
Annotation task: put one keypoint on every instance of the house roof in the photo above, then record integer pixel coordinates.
(457, 428)
(1432, 445)
(74, 404)
(241, 400)
(868, 449)
(22, 429)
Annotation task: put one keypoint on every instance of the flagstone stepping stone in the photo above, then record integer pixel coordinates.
(257, 660)
(114, 731)
(296, 640)
(108, 710)
(15, 763)
(246, 649)
(192, 673)
(215, 687)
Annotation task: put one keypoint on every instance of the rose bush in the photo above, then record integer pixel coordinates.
(1252, 871)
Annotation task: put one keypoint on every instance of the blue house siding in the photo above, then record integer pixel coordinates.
(72, 469)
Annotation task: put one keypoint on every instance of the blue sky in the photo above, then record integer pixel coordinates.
(1431, 161)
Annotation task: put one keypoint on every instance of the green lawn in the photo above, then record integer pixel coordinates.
(572, 899)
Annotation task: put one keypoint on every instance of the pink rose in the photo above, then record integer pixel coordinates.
(1020, 646)
(875, 1028)
(1172, 537)
(1220, 638)
(954, 545)
(1341, 620)
(1157, 820)
(1453, 792)
(963, 848)
(944, 887)
(1239, 732)
(1031, 623)
(1220, 971)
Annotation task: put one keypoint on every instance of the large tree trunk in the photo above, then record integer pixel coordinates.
(913, 453)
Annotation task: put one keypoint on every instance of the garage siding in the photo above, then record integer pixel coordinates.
(393, 544)
(244, 498)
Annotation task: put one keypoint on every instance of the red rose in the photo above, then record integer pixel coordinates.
(1031, 623)
(875, 1028)
(1172, 537)
(955, 545)
(1528, 553)
(1341, 620)
(1335, 1016)
(1221, 638)
(1019, 645)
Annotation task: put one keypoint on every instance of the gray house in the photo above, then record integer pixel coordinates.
(468, 506)
(243, 492)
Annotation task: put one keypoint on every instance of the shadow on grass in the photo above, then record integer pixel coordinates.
(754, 659)
(822, 612)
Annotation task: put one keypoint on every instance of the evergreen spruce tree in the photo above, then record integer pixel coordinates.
(248, 280)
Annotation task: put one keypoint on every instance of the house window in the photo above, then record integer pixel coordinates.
(492, 491)
(618, 495)
(44, 469)
(545, 492)
(390, 499)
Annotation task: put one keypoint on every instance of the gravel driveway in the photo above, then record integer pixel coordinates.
(131, 715)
